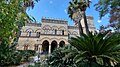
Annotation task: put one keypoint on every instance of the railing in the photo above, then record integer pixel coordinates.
(35, 35)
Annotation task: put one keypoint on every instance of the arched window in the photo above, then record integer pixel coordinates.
(38, 34)
(29, 33)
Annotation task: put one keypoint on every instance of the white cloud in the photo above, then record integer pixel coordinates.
(50, 2)
(99, 21)
(65, 11)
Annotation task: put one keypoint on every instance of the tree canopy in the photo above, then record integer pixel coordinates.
(110, 7)
(12, 14)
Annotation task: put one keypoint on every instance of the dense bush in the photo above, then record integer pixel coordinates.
(93, 50)
(26, 54)
(57, 58)
(10, 56)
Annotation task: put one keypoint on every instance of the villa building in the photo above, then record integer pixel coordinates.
(49, 34)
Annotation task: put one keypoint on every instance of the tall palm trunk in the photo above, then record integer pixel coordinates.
(80, 28)
(86, 25)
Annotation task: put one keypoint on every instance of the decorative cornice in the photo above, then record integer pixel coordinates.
(72, 27)
(33, 24)
(53, 20)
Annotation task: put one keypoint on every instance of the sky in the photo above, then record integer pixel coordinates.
(58, 9)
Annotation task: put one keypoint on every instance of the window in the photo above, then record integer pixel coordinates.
(38, 34)
(62, 32)
(29, 33)
(36, 47)
(25, 47)
(55, 31)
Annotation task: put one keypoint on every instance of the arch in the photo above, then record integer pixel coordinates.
(74, 33)
(46, 27)
(29, 30)
(69, 32)
(45, 47)
(63, 39)
(54, 28)
(38, 30)
(22, 30)
(54, 39)
(62, 43)
(62, 28)
(53, 45)
(43, 39)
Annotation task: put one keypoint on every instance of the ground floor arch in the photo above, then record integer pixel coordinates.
(53, 45)
(45, 47)
(61, 44)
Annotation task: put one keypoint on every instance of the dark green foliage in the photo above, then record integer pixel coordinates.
(26, 54)
(9, 55)
(97, 49)
(57, 58)
(93, 50)
(12, 17)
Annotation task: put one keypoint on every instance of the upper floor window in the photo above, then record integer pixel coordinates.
(55, 31)
(38, 34)
(29, 33)
(62, 32)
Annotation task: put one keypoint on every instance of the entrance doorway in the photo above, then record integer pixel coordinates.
(62, 43)
(45, 47)
(53, 45)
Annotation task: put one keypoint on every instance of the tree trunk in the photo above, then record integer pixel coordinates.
(86, 25)
(18, 33)
(80, 28)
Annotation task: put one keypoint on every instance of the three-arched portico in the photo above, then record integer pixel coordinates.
(49, 47)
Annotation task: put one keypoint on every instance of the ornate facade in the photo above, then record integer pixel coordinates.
(50, 34)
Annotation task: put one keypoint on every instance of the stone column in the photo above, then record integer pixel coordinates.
(58, 45)
(49, 48)
(40, 48)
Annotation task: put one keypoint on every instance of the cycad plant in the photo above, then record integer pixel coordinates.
(98, 49)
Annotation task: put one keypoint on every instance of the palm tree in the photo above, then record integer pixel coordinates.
(29, 3)
(76, 10)
(94, 48)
